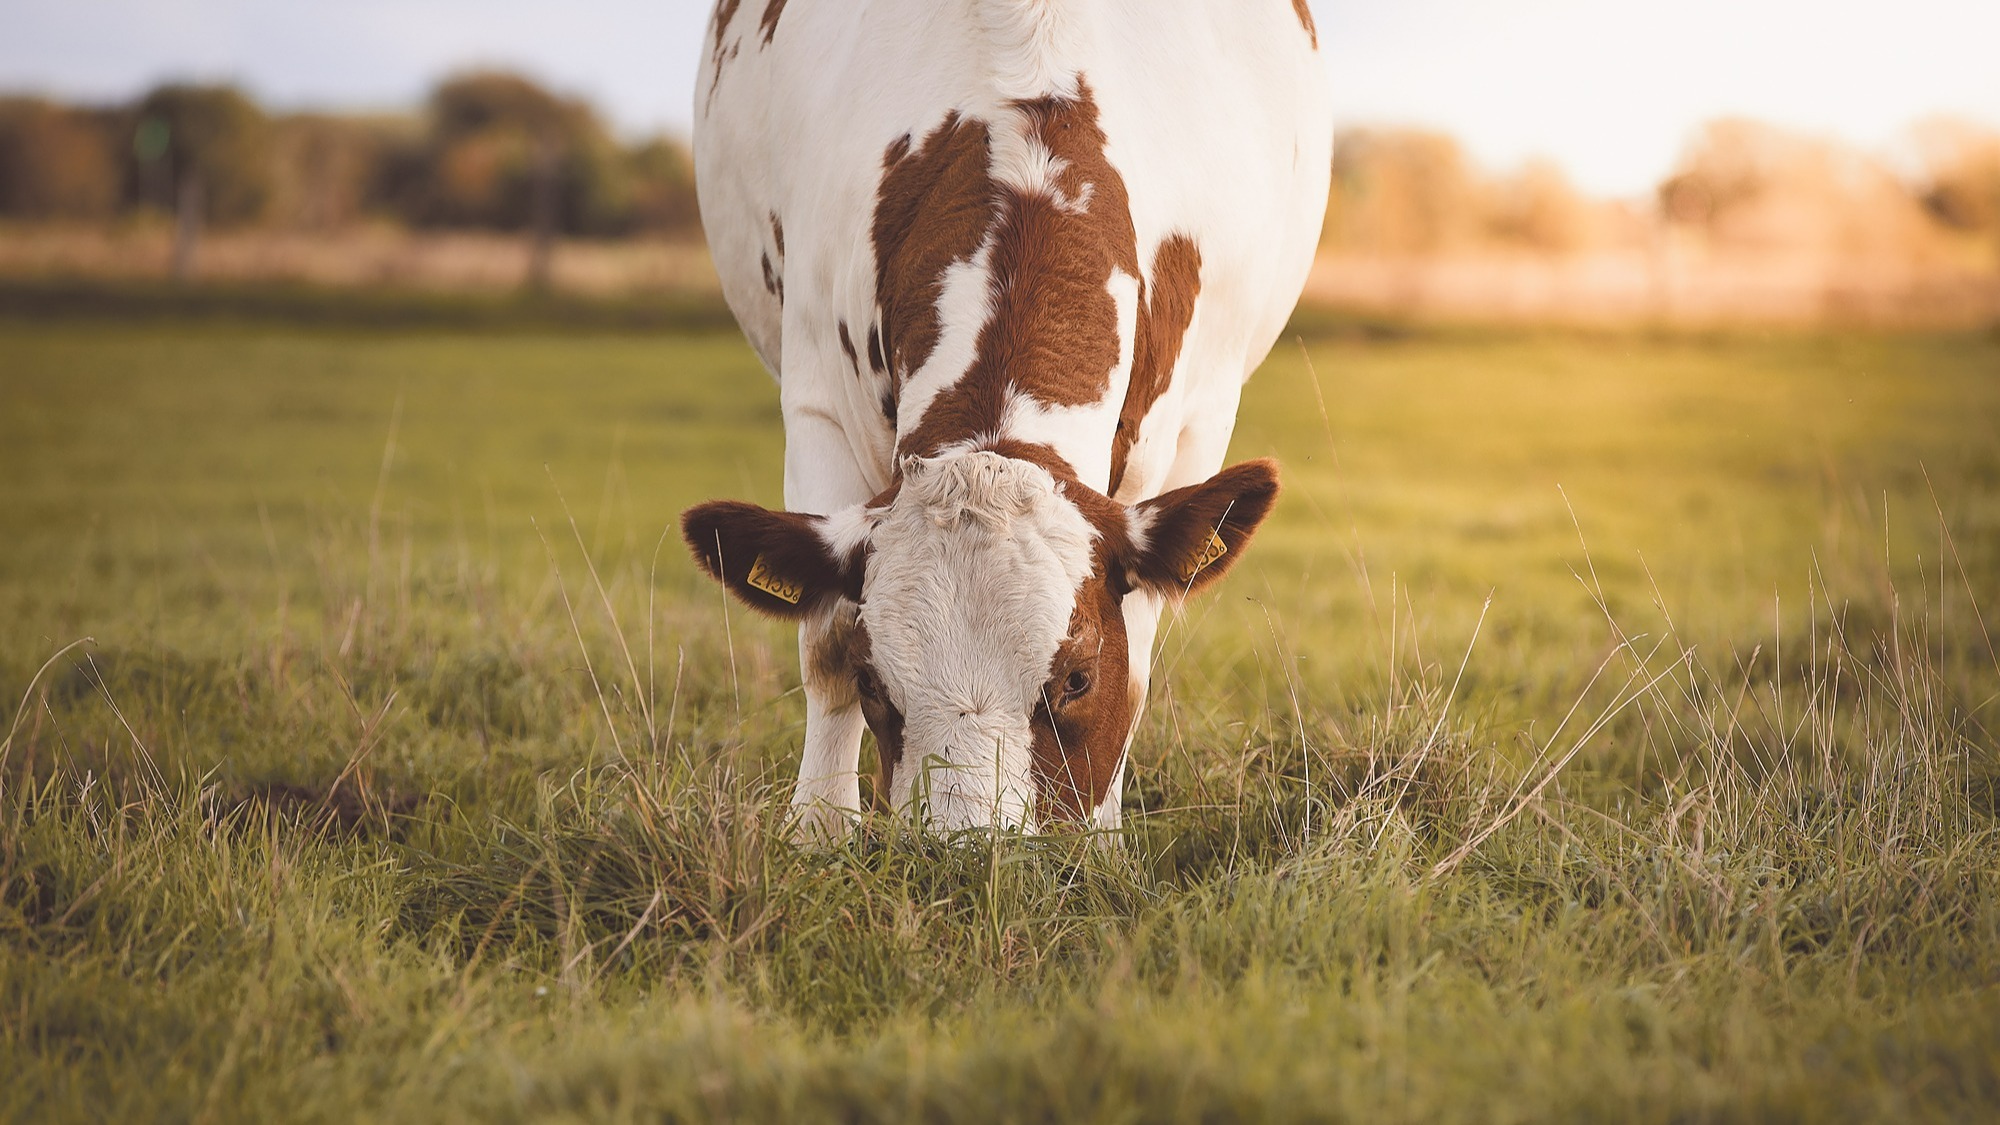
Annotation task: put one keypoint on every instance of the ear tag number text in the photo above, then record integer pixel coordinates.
(1214, 549)
(762, 578)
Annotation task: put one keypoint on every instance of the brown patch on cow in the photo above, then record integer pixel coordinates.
(1053, 331)
(774, 282)
(774, 274)
(840, 663)
(1079, 736)
(1164, 316)
(857, 665)
(829, 649)
(847, 348)
(876, 361)
(1078, 741)
(933, 209)
(768, 22)
(724, 12)
(1306, 21)
(970, 410)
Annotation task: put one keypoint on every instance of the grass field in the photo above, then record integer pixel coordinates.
(1603, 728)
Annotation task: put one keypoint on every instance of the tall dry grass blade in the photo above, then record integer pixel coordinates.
(674, 705)
(145, 755)
(375, 502)
(645, 916)
(652, 588)
(7, 744)
(583, 649)
(1298, 721)
(1356, 553)
(729, 638)
(1409, 773)
(1619, 704)
(1964, 579)
(370, 736)
(610, 613)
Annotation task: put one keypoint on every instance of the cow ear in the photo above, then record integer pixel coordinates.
(780, 563)
(1182, 541)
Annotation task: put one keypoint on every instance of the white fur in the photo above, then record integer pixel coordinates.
(968, 593)
(1217, 118)
(1023, 162)
(1078, 431)
(963, 306)
(1034, 46)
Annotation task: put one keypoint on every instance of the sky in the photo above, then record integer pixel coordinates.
(1609, 89)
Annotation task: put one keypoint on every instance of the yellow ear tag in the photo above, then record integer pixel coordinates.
(762, 578)
(1214, 549)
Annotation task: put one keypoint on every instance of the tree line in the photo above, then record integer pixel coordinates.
(495, 151)
(1738, 185)
(490, 151)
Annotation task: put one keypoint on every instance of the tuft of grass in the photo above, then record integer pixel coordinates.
(1602, 729)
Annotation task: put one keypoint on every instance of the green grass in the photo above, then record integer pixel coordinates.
(1602, 728)
(134, 301)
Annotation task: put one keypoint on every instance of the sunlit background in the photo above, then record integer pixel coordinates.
(1536, 158)
(1603, 726)
(1608, 90)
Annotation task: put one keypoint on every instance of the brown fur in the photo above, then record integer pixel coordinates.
(728, 536)
(932, 209)
(840, 662)
(884, 721)
(1306, 21)
(1077, 743)
(828, 649)
(1053, 334)
(1163, 325)
(768, 22)
(725, 11)
(1229, 505)
(773, 284)
(847, 348)
(877, 362)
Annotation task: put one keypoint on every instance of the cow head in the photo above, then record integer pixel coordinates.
(974, 615)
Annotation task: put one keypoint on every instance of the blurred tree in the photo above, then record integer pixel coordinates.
(1536, 208)
(328, 169)
(1758, 188)
(55, 162)
(663, 197)
(1731, 164)
(503, 152)
(1399, 192)
(214, 144)
(1960, 174)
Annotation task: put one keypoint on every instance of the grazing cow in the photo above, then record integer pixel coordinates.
(1011, 262)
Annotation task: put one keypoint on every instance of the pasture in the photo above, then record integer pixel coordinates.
(1603, 728)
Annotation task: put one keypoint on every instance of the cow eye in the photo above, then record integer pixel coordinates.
(1074, 686)
(866, 683)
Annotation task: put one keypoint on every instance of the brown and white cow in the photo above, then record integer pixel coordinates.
(1011, 262)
